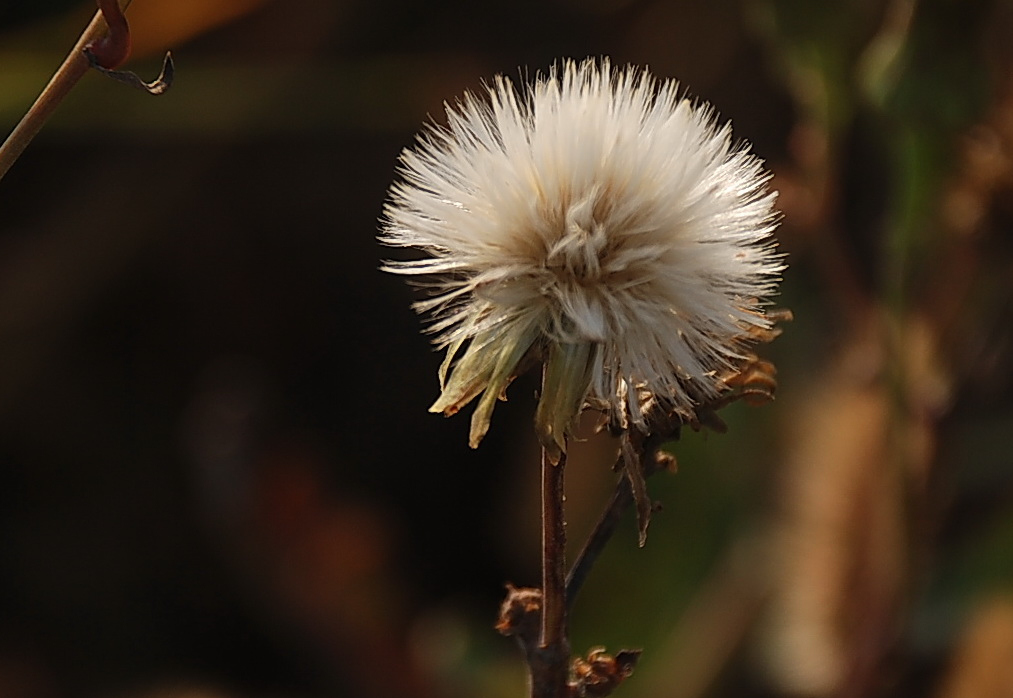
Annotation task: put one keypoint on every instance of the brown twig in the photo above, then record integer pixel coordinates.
(74, 66)
(753, 383)
(650, 460)
(549, 670)
(537, 618)
(599, 538)
(113, 49)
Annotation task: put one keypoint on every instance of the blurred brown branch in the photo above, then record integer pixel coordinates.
(74, 66)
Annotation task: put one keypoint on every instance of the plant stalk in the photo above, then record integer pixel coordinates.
(550, 668)
(622, 498)
(74, 66)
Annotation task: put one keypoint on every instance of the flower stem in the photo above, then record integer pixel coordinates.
(595, 544)
(74, 66)
(549, 671)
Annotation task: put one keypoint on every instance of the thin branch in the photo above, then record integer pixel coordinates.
(650, 460)
(553, 544)
(74, 66)
(599, 538)
(550, 670)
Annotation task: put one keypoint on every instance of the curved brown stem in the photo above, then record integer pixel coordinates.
(111, 50)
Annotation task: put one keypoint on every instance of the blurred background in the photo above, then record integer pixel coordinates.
(218, 478)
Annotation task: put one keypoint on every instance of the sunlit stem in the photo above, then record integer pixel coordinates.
(74, 66)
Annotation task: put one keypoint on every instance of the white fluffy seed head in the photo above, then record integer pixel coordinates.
(596, 217)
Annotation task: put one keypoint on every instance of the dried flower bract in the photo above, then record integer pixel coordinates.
(596, 221)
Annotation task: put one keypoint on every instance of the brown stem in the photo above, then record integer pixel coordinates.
(74, 66)
(550, 665)
(600, 536)
(113, 49)
(650, 459)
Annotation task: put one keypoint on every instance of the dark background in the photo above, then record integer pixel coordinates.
(218, 476)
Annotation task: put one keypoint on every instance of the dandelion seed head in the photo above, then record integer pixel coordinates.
(597, 218)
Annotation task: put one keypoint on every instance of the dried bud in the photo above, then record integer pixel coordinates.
(600, 674)
(520, 613)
